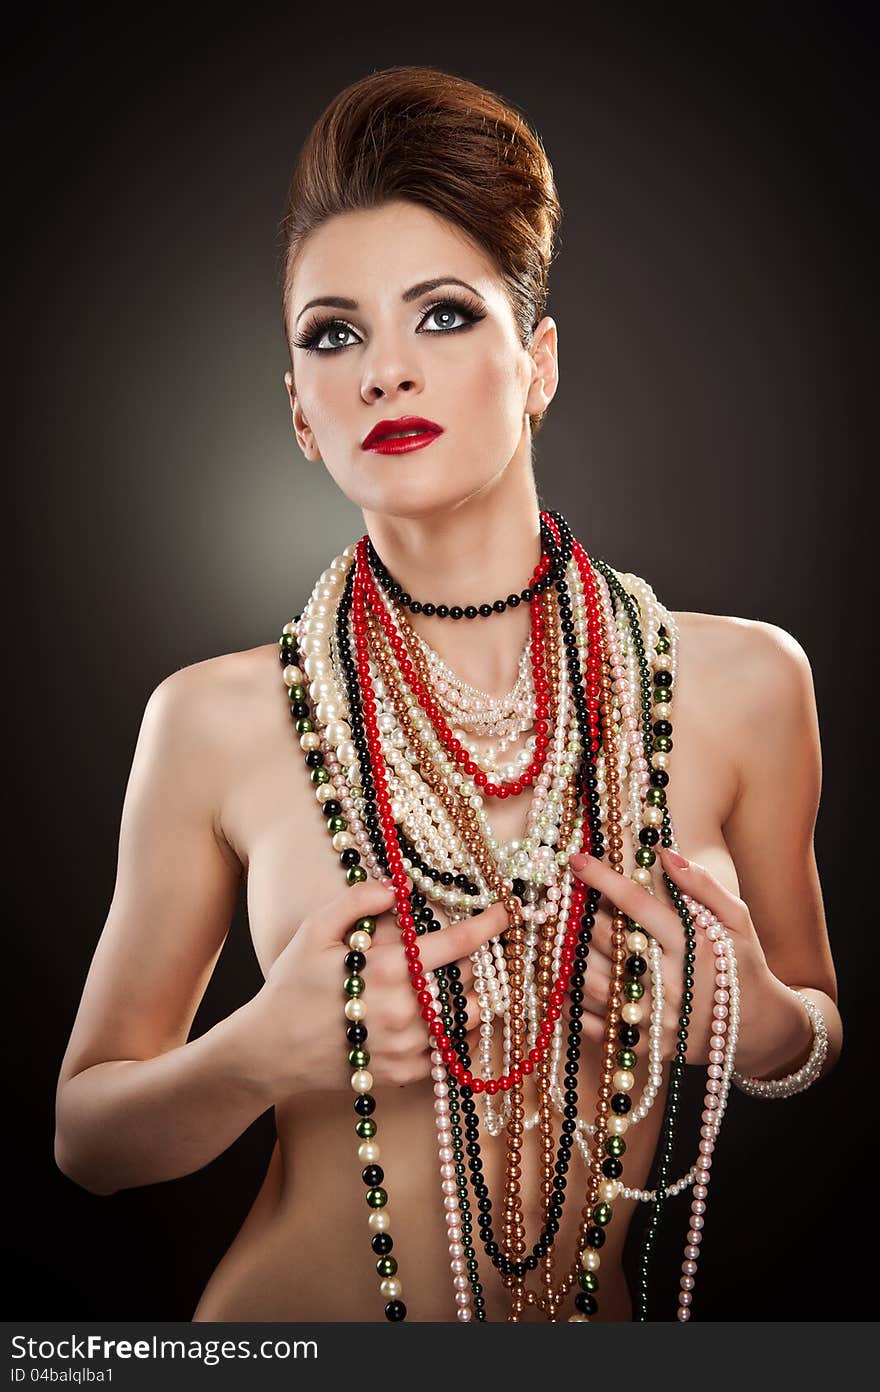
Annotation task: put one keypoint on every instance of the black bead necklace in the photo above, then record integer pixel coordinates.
(353, 985)
(421, 912)
(468, 611)
(585, 775)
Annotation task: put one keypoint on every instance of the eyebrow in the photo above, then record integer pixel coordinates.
(413, 293)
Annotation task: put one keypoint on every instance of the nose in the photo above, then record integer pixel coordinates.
(389, 369)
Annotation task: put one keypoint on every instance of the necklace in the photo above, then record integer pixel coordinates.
(403, 794)
(455, 611)
(475, 710)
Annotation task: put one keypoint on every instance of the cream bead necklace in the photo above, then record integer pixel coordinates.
(496, 1119)
(536, 859)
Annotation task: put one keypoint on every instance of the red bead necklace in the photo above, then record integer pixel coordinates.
(453, 746)
(365, 595)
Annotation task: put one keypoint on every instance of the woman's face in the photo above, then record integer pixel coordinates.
(450, 354)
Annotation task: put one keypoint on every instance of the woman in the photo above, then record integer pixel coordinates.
(417, 242)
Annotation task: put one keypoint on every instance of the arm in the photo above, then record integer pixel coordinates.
(776, 922)
(136, 1103)
(770, 836)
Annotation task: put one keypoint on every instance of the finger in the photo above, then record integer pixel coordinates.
(598, 964)
(593, 1025)
(404, 1042)
(702, 885)
(472, 1010)
(334, 921)
(597, 984)
(603, 916)
(466, 967)
(387, 932)
(601, 932)
(469, 1004)
(471, 1023)
(636, 902)
(401, 1068)
(464, 963)
(388, 965)
(460, 939)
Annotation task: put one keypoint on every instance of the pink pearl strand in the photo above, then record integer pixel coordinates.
(722, 1041)
(722, 1052)
(461, 1286)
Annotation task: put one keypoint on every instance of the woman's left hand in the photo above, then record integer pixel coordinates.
(764, 999)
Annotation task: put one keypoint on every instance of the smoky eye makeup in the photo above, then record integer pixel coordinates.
(310, 336)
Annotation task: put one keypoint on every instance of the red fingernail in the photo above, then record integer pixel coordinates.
(577, 862)
(675, 859)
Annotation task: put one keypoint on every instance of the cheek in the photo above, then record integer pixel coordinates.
(494, 380)
(486, 404)
(323, 396)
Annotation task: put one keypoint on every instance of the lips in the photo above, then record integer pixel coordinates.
(379, 435)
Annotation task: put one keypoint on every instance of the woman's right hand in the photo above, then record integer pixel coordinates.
(299, 1019)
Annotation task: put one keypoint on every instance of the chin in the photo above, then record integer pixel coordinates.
(419, 498)
(419, 489)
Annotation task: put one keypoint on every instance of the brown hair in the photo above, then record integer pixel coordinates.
(445, 143)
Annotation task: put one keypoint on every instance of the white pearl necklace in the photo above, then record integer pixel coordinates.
(475, 710)
(533, 858)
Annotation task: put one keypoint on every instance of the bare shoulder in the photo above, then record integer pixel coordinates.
(218, 689)
(768, 653)
(222, 713)
(753, 680)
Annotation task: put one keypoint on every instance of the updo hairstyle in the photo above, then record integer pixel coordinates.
(447, 144)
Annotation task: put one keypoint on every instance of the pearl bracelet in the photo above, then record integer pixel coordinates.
(773, 1088)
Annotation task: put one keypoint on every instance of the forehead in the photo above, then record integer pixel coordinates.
(384, 250)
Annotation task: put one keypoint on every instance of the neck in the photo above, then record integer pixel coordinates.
(483, 550)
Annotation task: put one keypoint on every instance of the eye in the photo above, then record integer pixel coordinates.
(448, 309)
(312, 337)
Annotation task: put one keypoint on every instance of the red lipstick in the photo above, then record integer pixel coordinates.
(386, 437)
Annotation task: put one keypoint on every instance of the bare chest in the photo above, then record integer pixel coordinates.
(275, 824)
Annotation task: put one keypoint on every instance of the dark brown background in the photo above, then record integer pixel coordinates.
(712, 431)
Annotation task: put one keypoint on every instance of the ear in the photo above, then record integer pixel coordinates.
(545, 367)
(304, 434)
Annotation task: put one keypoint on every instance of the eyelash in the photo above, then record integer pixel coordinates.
(314, 332)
